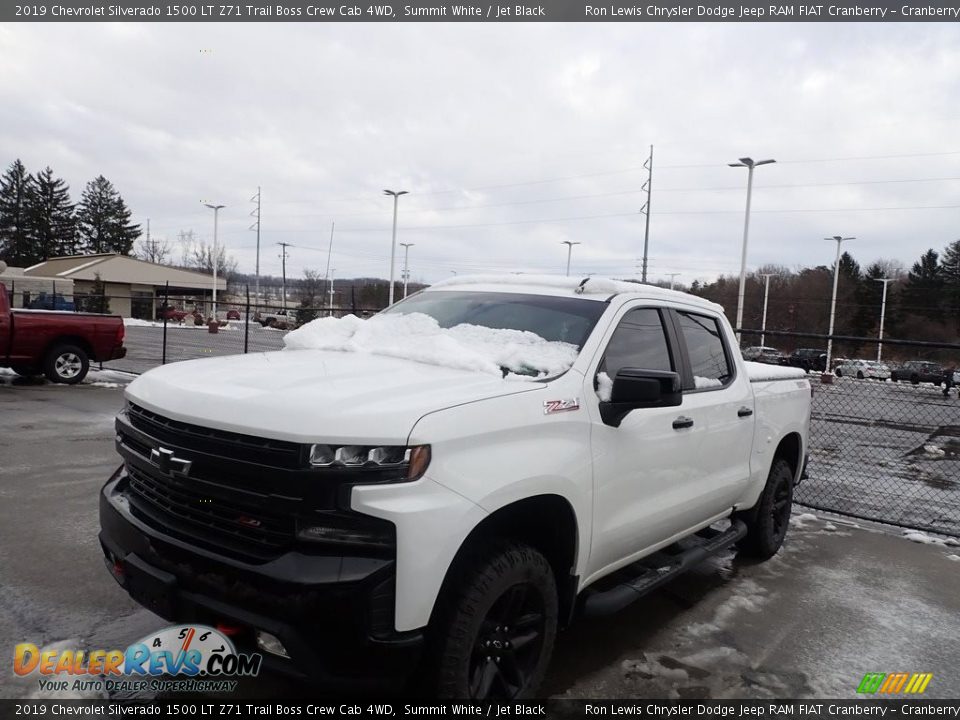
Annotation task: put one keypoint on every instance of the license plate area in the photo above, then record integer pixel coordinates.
(152, 588)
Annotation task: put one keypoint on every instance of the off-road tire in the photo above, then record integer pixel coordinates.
(510, 581)
(767, 523)
(66, 364)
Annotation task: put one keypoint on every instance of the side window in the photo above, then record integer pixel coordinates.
(708, 358)
(639, 341)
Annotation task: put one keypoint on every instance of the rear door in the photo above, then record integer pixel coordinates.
(719, 399)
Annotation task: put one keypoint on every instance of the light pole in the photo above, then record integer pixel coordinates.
(883, 312)
(569, 245)
(213, 256)
(749, 164)
(330, 273)
(833, 303)
(393, 246)
(672, 276)
(766, 295)
(406, 265)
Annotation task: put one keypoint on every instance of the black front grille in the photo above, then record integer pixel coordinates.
(262, 451)
(183, 508)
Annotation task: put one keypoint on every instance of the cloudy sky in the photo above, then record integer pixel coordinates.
(509, 138)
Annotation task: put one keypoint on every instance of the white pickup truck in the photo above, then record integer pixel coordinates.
(436, 491)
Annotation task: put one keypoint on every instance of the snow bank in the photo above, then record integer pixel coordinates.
(604, 387)
(420, 338)
(760, 372)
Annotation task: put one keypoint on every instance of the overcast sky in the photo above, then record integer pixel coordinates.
(509, 138)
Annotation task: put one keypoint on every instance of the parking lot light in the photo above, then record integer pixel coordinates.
(393, 246)
(213, 255)
(883, 311)
(833, 303)
(749, 164)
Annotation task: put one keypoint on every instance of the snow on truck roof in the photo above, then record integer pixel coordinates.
(592, 288)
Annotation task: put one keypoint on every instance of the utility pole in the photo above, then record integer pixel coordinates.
(330, 273)
(672, 276)
(283, 256)
(648, 186)
(406, 265)
(883, 312)
(256, 226)
(766, 294)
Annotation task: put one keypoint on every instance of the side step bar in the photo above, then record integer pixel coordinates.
(660, 568)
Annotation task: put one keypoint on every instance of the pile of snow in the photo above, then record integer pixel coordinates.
(934, 450)
(420, 338)
(705, 382)
(604, 387)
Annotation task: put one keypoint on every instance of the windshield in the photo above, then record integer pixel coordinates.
(557, 319)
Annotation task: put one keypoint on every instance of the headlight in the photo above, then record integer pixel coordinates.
(415, 459)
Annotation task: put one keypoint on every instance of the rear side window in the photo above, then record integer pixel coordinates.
(638, 342)
(708, 357)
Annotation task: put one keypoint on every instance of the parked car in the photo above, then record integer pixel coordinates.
(862, 369)
(58, 344)
(918, 371)
(45, 301)
(372, 510)
(233, 314)
(172, 313)
(808, 359)
(763, 354)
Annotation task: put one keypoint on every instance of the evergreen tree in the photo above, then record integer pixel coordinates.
(950, 270)
(103, 220)
(923, 293)
(16, 245)
(50, 217)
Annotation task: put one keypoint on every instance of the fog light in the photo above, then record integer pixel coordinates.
(269, 643)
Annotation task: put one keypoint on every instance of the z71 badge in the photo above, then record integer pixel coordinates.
(556, 406)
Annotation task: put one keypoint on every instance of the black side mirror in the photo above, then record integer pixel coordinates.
(635, 388)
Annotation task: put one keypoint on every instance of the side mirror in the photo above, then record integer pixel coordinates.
(635, 388)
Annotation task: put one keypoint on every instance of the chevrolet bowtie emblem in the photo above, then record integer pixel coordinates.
(167, 463)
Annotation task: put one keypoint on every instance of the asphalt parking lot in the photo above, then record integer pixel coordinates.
(839, 601)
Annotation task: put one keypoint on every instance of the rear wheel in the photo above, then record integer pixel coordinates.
(496, 631)
(767, 522)
(838, 372)
(66, 364)
(859, 375)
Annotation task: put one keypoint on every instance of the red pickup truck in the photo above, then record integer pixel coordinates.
(58, 344)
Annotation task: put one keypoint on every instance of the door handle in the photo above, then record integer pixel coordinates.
(682, 422)
(744, 412)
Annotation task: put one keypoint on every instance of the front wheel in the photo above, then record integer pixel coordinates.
(859, 375)
(66, 364)
(767, 522)
(496, 633)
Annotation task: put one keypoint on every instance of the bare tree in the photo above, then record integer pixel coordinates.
(198, 255)
(155, 250)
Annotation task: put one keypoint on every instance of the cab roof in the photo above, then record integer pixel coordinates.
(590, 288)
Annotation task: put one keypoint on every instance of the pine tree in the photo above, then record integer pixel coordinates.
(923, 294)
(16, 245)
(103, 220)
(950, 270)
(50, 217)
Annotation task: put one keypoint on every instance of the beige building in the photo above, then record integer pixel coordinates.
(135, 287)
(23, 289)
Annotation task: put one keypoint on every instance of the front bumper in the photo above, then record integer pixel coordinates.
(333, 614)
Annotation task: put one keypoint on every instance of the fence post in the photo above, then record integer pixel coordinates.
(166, 302)
(246, 323)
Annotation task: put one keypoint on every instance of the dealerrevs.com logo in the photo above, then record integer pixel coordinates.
(179, 658)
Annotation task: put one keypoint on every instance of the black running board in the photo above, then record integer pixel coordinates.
(660, 568)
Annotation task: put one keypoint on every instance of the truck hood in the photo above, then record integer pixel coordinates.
(313, 395)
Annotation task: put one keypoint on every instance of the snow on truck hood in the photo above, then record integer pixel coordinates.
(350, 380)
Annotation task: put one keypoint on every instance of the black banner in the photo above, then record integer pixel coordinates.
(560, 709)
(433, 11)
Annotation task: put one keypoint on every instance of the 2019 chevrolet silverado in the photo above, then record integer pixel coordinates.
(60, 345)
(381, 509)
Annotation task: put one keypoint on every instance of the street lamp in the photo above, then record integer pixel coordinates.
(406, 265)
(833, 303)
(330, 273)
(213, 256)
(569, 245)
(393, 246)
(883, 312)
(750, 164)
(672, 276)
(766, 295)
